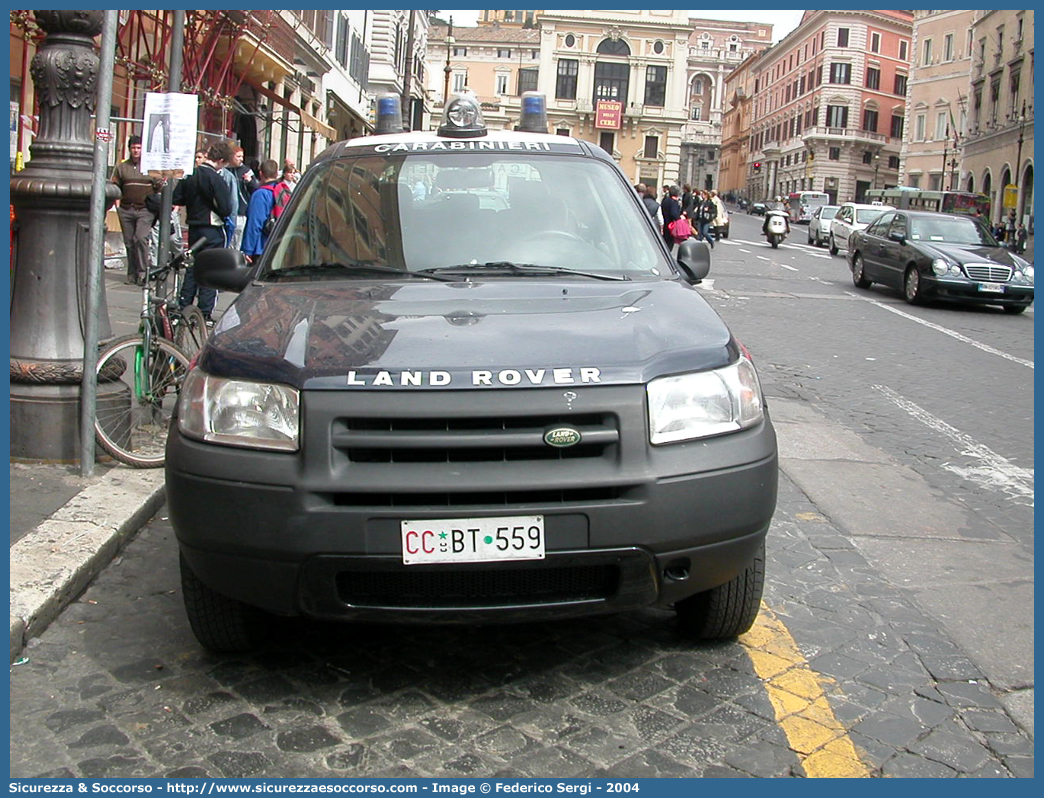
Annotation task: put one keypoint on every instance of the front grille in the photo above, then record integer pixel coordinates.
(477, 588)
(987, 272)
(521, 498)
(469, 440)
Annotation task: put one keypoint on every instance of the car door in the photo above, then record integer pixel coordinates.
(894, 254)
(841, 226)
(872, 245)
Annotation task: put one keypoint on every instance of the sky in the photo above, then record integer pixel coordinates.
(783, 21)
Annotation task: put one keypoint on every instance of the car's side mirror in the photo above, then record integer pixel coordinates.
(223, 269)
(899, 238)
(694, 259)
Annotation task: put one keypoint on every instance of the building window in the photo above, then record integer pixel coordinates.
(837, 116)
(460, 52)
(896, 131)
(652, 144)
(926, 53)
(697, 86)
(942, 126)
(900, 85)
(904, 50)
(840, 73)
(610, 47)
(834, 153)
(893, 161)
(697, 113)
(842, 37)
(934, 182)
(460, 81)
(565, 86)
(605, 141)
(914, 181)
(655, 85)
(610, 81)
(570, 40)
(658, 47)
(527, 79)
(502, 83)
(562, 131)
(534, 54)
(503, 52)
(873, 78)
(868, 157)
(920, 127)
(875, 42)
(948, 47)
(870, 120)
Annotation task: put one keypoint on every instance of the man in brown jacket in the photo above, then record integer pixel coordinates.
(135, 218)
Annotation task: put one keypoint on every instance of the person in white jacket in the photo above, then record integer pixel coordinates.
(721, 218)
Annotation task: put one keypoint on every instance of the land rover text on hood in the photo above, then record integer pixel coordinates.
(468, 382)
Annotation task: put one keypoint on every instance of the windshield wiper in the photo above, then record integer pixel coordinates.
(522, 268)
(352, 269)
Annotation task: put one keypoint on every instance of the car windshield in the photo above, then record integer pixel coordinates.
(867, 215)
(951, 230)
(828, 213)
(475, 213)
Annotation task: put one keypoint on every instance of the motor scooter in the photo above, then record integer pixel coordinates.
(775, 228)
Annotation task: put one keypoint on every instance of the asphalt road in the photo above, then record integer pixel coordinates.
(896, 637)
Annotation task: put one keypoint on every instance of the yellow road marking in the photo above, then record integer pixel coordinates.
(799, 697)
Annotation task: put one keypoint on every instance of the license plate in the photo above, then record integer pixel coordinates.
(992, 288)
(449, 540)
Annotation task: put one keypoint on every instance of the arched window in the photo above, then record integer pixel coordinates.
(610, 47)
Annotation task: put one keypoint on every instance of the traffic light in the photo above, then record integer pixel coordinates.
(757, 167)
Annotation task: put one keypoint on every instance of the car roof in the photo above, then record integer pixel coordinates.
(864, 205)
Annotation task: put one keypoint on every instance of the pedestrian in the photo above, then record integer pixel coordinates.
(230, 183)
(208, 202)
(245, 184)
(686, 200)
(290, 173)
(704, 213)
(670, 209)
(135, 219)
(1009, 229)
(1021, 237)
(273, 190)
(721, 216)
(651, 205)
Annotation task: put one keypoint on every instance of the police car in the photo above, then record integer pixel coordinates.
(427, 407)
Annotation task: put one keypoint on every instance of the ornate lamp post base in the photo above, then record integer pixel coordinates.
(52, 201)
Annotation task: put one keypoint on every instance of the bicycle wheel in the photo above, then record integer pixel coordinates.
(132, 421)
(190, 332)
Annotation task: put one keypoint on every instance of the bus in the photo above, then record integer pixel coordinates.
(916, 199)
(804, 203)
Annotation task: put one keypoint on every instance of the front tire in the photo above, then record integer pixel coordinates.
(858, 275)
(728, 610)
(219, 623)
(912, 291)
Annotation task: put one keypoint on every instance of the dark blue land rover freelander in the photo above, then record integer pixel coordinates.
(467, 382)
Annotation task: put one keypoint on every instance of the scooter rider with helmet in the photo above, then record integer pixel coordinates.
(775, 208)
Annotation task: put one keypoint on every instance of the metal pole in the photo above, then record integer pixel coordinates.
(173, 85)
(447, 69)
(96, 246)
(407, 119)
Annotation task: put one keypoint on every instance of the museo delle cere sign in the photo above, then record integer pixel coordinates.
(609, 113)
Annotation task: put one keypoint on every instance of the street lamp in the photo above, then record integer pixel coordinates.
(447, 69)
(1018, 157)
(877, 164)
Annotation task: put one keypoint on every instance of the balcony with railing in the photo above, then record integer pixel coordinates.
(844, 134)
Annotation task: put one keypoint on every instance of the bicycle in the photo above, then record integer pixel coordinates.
(132, 420)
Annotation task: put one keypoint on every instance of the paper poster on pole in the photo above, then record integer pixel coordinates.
(14, 129)
(168, 141)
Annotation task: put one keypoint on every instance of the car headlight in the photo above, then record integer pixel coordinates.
(1024, 275)
(942, 268)
(704, 403)
(256, 415)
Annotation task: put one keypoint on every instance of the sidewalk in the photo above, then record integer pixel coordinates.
(66, 528)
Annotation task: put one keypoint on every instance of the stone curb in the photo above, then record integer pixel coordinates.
(57, 560)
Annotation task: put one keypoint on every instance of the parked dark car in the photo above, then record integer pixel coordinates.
(758, 209)
(940, 256)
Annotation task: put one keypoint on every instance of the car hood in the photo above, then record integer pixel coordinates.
(961, 253)
(495, 333)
